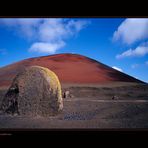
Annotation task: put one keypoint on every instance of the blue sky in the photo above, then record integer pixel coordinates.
(121, 43)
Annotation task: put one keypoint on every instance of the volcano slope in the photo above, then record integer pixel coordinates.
(100, 97)
(70, 68)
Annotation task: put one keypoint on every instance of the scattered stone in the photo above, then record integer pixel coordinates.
(67, 94)
(114, 97)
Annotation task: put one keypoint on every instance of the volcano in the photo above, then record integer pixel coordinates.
(70, 68)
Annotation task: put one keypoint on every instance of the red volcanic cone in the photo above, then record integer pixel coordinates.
(70, 68)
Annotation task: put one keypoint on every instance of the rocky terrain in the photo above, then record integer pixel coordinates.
(94, 96)
(95, 109)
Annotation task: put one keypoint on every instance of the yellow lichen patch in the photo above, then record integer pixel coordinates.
(54, 81)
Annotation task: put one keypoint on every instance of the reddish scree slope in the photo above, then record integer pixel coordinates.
(70, 68)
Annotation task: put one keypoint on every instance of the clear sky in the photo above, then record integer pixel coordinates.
(121, 43)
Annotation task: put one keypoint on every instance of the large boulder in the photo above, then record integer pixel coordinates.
(34, 91)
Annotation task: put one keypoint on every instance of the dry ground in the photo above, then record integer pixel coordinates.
(92, 107)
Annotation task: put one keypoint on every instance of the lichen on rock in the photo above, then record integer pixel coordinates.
(34, 91)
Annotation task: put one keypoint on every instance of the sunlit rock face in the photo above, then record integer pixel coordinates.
(34, 91)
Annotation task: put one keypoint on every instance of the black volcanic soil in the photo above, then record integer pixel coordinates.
(92, 106)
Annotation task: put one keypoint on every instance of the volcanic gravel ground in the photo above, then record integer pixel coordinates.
(98, 111)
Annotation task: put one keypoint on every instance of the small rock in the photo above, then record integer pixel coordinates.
(67, 94)
(114, 97)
